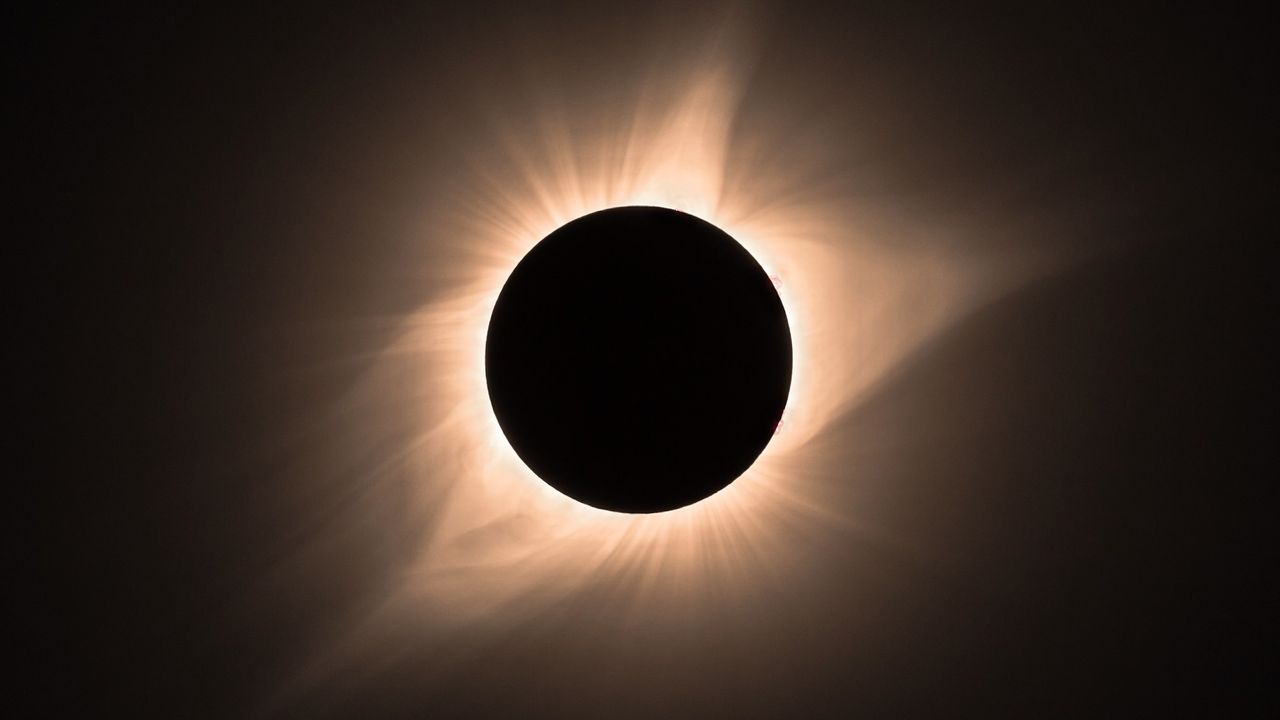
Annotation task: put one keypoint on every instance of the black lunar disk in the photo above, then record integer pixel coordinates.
(638, 359)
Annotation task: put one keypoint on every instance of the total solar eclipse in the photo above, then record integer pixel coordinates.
(638, 359)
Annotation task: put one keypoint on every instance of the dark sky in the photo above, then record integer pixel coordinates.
(214, 205)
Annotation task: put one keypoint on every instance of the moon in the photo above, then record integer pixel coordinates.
(638, 359)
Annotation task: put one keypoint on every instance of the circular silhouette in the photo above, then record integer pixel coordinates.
(638, 359)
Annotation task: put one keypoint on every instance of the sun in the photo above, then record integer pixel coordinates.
(857, 297)
(863, 285)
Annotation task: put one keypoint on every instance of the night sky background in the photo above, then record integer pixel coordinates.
(213, 202)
